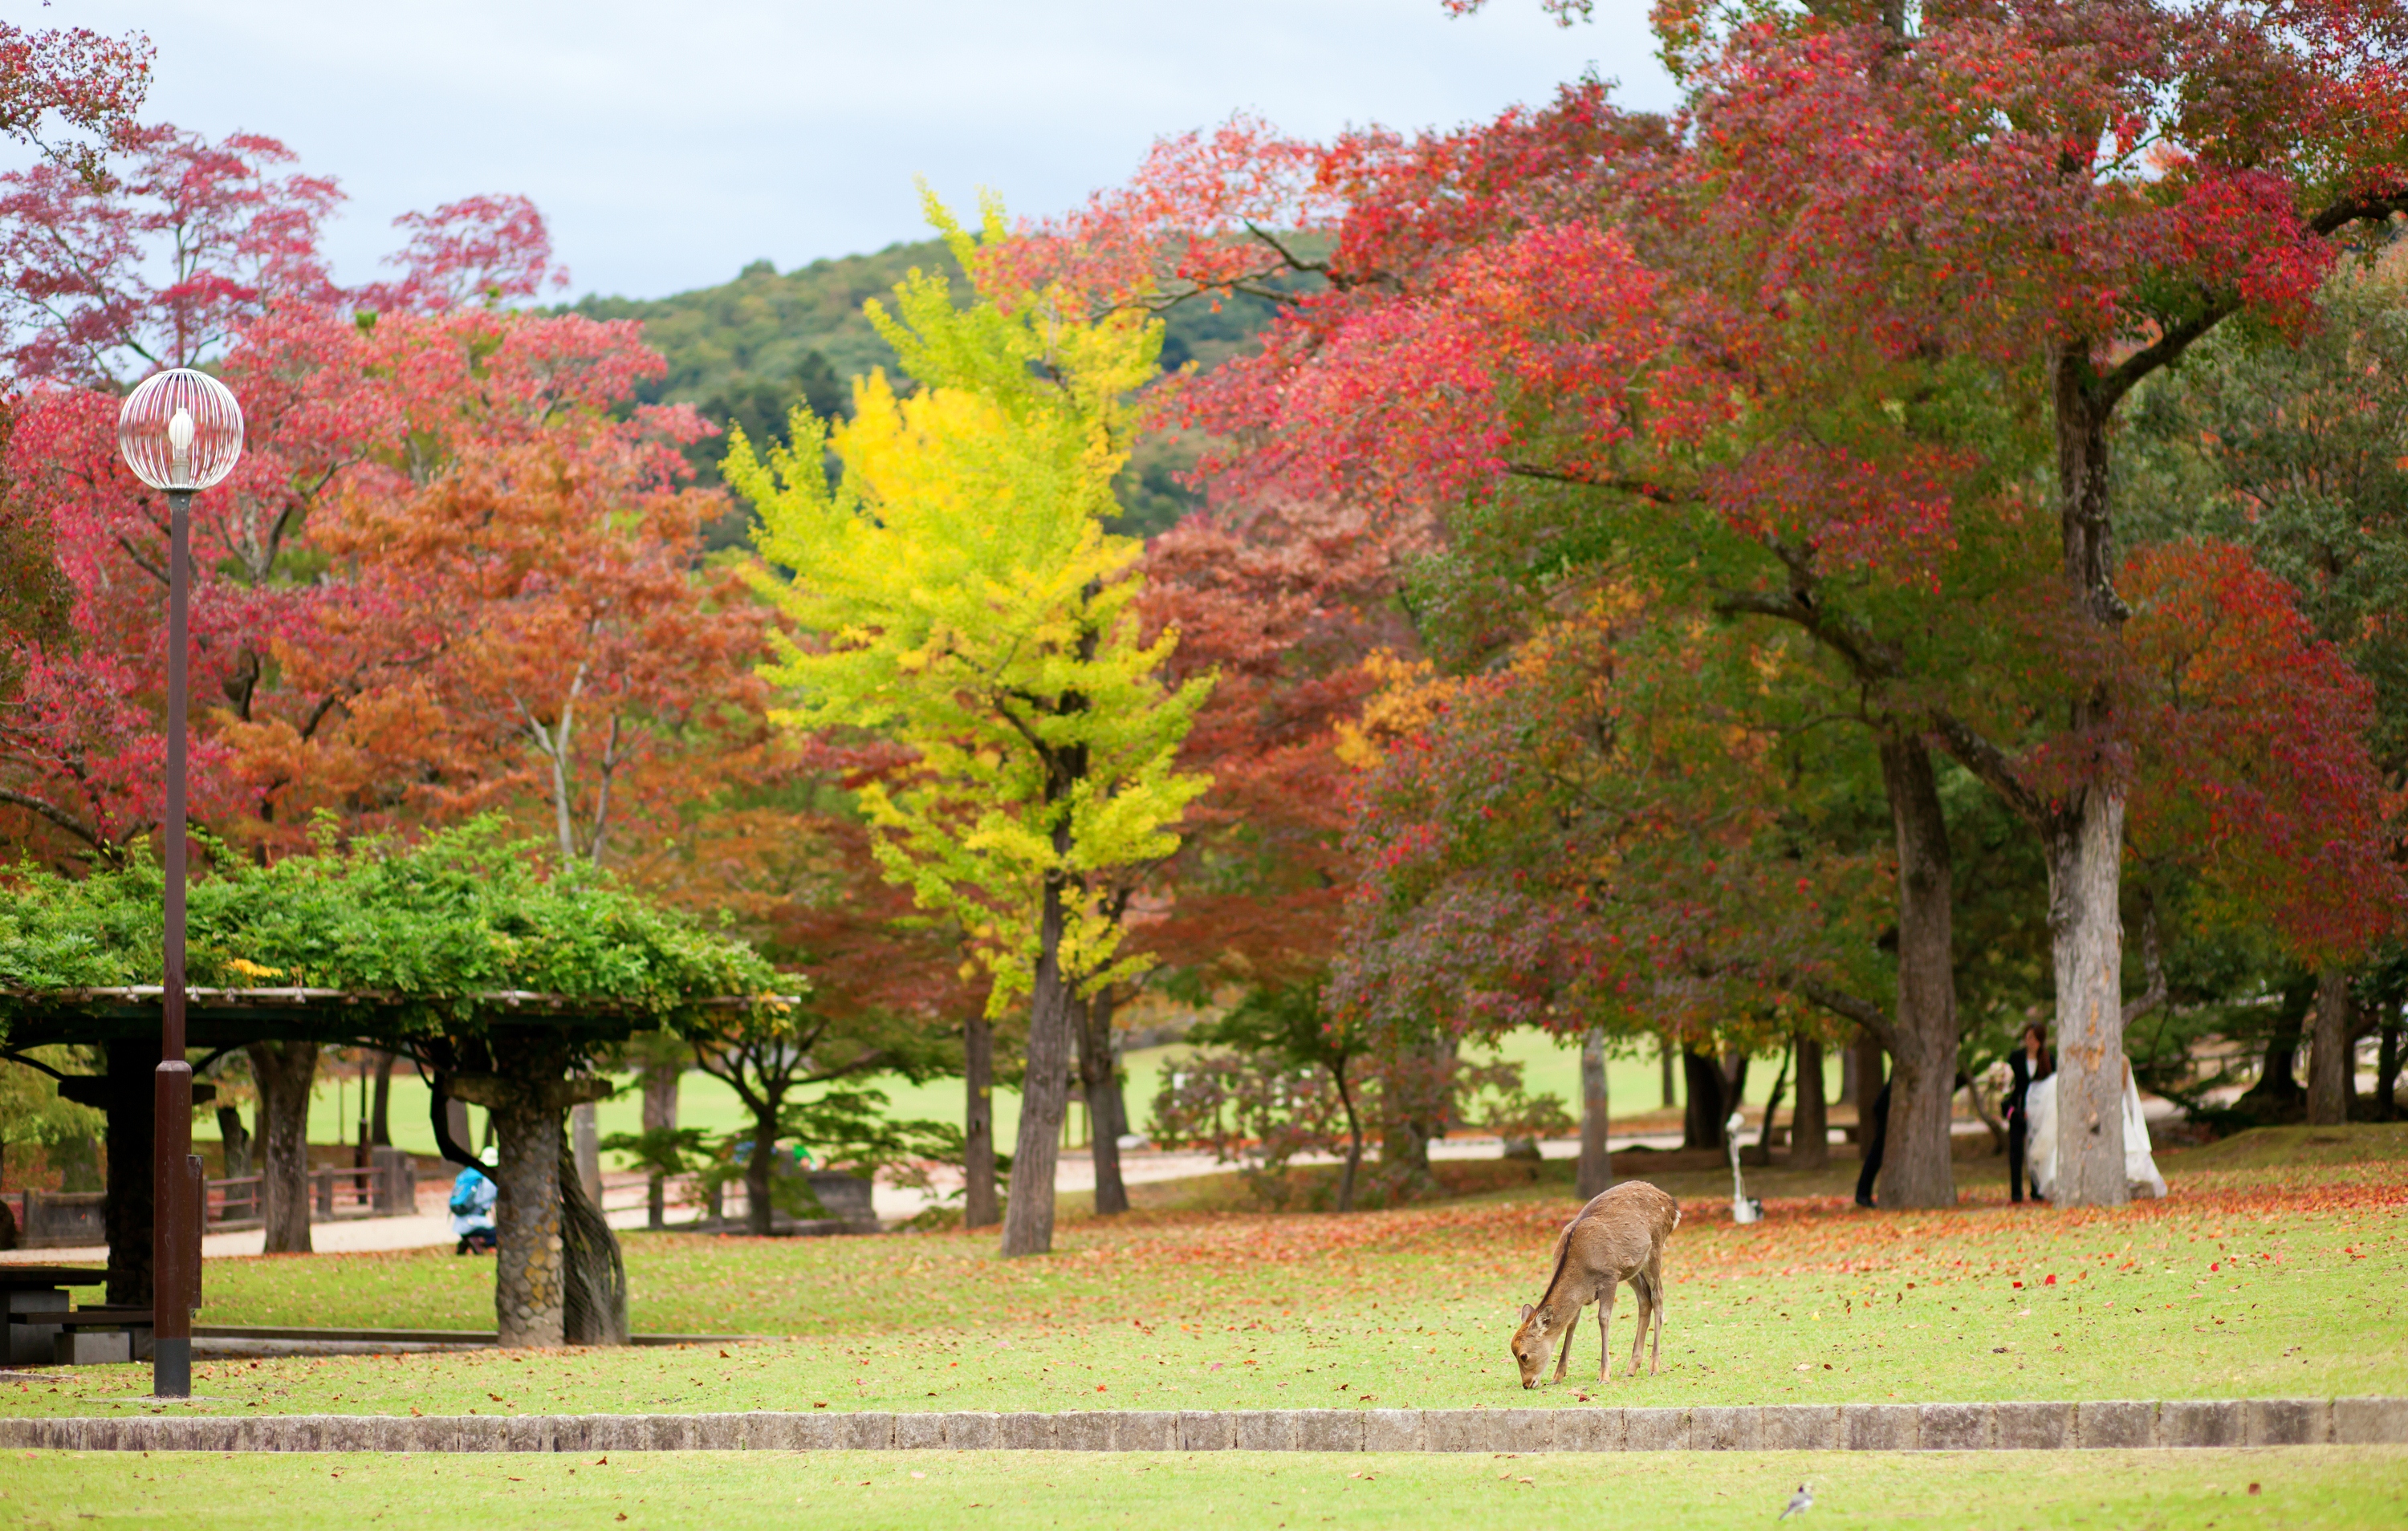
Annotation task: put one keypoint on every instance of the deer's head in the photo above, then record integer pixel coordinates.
(1531, 1344)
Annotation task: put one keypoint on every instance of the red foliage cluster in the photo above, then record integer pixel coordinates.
(1280, 601)
(2258, 771)
(72, 80)
(454, 569)
(1781, 311)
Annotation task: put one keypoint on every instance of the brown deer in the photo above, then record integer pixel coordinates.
(1619, 1237)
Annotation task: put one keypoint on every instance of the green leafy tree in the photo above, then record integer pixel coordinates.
(768, 1057)
(32, 1111)
(1289, 1025)
(960, 596)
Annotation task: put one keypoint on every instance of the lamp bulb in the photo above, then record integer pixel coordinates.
(180, 431)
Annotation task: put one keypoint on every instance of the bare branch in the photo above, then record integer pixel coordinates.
(56, 815)
(1644, 488)
(1848, 1007)
(2371, 208)
(1294, 262)
(1989, 764)
(2163, 351)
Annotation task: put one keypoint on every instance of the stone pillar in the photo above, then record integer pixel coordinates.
(527, 1097)
(530, 1292)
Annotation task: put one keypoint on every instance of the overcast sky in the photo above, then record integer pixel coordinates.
(670, 144)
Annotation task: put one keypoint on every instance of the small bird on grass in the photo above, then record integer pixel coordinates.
(1800, 1503)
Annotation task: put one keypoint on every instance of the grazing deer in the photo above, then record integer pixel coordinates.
(1619, 1237)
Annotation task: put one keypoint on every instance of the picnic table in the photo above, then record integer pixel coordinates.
(39, 1313)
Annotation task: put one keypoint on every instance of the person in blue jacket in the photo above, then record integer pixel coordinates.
(472, 1208)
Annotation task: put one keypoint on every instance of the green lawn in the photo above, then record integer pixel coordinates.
(705, 1102)
(2276, 1269)
(2303, 1487)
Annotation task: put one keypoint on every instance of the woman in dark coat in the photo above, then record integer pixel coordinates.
(2031, 1060)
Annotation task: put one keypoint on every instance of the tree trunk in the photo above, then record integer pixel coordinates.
(237, 1141)
(1664, 1060)
(1092, 1020)
(760, 1215)
(660, 1115)
(1809, 1126)
(1045, 1084)
(2277, 1095)
(585, 1150)
(2333, 1054)
(2084, 859)
(1414, 1102)
(130, 1104)
(1916, 1168)
(2387, 1066)
(1701, 1125)
(2084, 840)
(1596, 1170)
(455, 1121)
(1868, 1064)
(284, 1073)
(1116, 1101)
(379, 1124)
(977, 1134)
(1761, 1154)
(594, 1277)
(1350, 1175)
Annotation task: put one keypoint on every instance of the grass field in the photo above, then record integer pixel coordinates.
(2304, 1487)
(2275, 1269)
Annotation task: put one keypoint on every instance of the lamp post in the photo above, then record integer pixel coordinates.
(181, 431)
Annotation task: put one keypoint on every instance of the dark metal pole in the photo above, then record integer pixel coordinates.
(175, 1235)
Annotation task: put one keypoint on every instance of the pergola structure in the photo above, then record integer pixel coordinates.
(558, 1278)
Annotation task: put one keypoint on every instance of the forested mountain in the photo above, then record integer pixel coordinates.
(745, 352)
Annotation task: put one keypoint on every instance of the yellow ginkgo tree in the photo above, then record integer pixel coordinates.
(956, 592)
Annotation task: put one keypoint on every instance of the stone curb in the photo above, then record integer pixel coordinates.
(2108, 1425)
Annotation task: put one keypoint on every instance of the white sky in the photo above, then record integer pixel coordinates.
(668, 145)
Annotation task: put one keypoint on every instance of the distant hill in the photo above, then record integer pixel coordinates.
(745, 352)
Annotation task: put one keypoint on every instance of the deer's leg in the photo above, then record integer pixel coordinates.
(1646, 1315)
(1605, 1332)
(1655, 1292)
(1564, 1356)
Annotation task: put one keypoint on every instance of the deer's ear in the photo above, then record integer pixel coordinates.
(1526, 1311)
